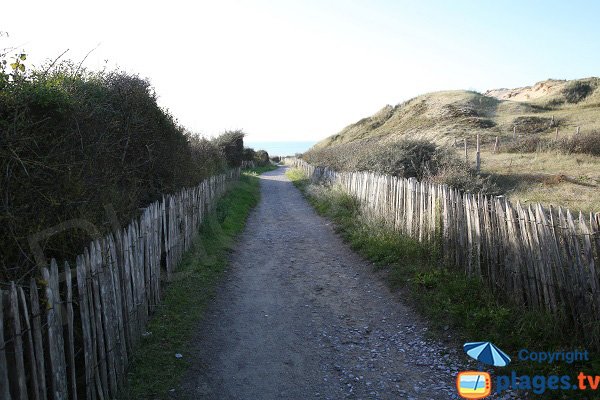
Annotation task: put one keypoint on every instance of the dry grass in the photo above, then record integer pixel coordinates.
(571, 181)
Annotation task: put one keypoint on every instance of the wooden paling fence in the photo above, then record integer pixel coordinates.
(543, 257)
(70, 333)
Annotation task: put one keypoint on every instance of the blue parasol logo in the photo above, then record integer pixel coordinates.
(487, 353)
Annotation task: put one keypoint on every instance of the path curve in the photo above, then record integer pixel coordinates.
(300, 316)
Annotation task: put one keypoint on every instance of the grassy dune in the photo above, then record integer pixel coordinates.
(556, 176)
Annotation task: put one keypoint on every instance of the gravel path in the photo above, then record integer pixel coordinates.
(300, 316)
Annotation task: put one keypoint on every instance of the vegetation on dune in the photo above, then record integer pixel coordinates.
(443, 117)
(577, 91)
(588, 143)
(419, 159)
(523, 120)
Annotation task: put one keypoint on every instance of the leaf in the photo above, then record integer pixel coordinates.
(14, 65)
(23, 57)
(21, 67)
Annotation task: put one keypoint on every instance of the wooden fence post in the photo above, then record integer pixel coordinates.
(4, 392)
(514, 132)
(496, 145)
(466, 152)
(478, 156)
(556, 138)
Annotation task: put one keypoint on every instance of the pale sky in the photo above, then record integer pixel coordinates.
(302, 70)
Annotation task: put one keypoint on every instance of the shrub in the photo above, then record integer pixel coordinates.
(74, 141)
(524, 145)
(533, 124)
(261, 158)
(231, 144)
(588, 143)
(408, 159)
(248, 154)
(577, 91)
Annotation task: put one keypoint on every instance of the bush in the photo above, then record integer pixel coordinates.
(588, 143)
(410, 158)
(524, 145)
(261, 158)
(533, 124)
(74, 142)
(231, 144)
(419, 159)
(248, 154)
(577, 91)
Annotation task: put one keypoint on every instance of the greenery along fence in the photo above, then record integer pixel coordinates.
(71, 333)
(544, 258)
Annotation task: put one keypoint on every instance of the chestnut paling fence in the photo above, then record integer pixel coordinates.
(70, 333)
(543, 257)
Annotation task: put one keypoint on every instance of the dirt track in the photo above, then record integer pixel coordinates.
(300, 316)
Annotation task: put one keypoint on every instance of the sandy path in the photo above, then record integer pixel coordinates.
(301, 316)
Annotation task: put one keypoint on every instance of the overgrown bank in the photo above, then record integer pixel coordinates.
(76, 143)
(157, 368)
(449, 299)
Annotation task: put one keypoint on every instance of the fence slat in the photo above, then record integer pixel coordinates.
(117, 294)
(55, 341)
(30, 346)
(4, 384)
(107, 318)
(38, 338)
(18, 342)
(70, 331)
(97, 320)
(84, 313)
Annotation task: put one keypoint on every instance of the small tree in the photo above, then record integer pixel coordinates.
(231, 144)
(249, 154)
(261, 157)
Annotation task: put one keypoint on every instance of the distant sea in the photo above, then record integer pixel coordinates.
(280, 148)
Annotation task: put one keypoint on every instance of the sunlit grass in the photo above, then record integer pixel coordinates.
(571, 181)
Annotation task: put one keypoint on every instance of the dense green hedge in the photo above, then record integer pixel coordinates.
(73, 142)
